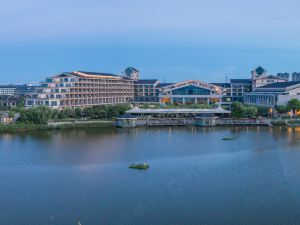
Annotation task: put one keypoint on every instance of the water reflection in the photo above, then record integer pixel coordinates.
(58, 177)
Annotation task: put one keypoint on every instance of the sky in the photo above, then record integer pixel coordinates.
(172, 40)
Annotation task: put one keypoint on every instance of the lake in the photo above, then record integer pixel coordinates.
(195, 177)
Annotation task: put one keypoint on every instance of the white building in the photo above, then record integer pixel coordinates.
(8, 89)
(274, 94)
(260, 78)
(82, 89)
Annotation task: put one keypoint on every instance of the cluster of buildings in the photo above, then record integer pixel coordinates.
(10, 94)
(85, 89)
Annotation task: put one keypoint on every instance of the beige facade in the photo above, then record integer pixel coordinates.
(82, 89)
(260, 78)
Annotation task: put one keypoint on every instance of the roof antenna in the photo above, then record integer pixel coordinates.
(226, 79)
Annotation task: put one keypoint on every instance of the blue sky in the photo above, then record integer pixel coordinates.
(167, 39)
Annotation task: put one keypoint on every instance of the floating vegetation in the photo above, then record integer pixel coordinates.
(143, 166)
(228, 138)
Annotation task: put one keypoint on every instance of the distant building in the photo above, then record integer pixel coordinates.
(274, 94)
(260, 78)
(285, 76)
(16, 90)
(82, 89)
(25, 89)
(295, 76)
(8, 100)
(5, 118)
(7, 89)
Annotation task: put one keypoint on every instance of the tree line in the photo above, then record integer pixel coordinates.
(42, 114)
(238, 110)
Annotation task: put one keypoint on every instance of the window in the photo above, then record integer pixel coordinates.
(190, 90)
(54, 103)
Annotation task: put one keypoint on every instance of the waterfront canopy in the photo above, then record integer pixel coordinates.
(218, 110)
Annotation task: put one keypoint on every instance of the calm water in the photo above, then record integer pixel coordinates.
(61, 177)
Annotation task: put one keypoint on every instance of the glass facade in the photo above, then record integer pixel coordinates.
(190, 90)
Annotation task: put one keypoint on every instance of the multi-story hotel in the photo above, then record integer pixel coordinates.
(85, 89)
(82, 89)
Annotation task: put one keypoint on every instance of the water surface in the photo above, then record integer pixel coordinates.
(60, 177)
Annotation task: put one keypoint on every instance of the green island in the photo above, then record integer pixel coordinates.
(143, 166)
(228, 138)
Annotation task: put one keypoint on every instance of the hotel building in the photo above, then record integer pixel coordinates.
(146, 91)
(82, 89)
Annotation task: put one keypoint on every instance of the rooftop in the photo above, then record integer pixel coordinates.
(280, 85)
(260, 71)
(146, 81)
(274, 77)
(132, 68)
(161, 85)
(136, 110)
(224, 85)
(90, 74)
(95, 73)
(8, 86)
(241, 81)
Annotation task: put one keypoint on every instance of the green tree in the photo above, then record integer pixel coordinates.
(237, 110)
(21, 102)
(282, 109)
(78, 113)
(293, 104)
(263, 111)
(250, 111)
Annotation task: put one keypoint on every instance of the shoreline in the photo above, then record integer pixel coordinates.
(61, 125)
(58, 126)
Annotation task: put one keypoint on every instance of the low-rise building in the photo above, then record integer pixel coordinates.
(190, 92)
(8, 100)
(274, 94)
(146, 90)
(25, 89)
(5, 118)
(235, 90)
(7, 89)
(239, 87)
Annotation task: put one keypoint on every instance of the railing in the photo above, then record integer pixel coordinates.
(243, 122)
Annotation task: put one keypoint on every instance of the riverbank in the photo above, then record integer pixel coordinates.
(56, 125)
(77, 124)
